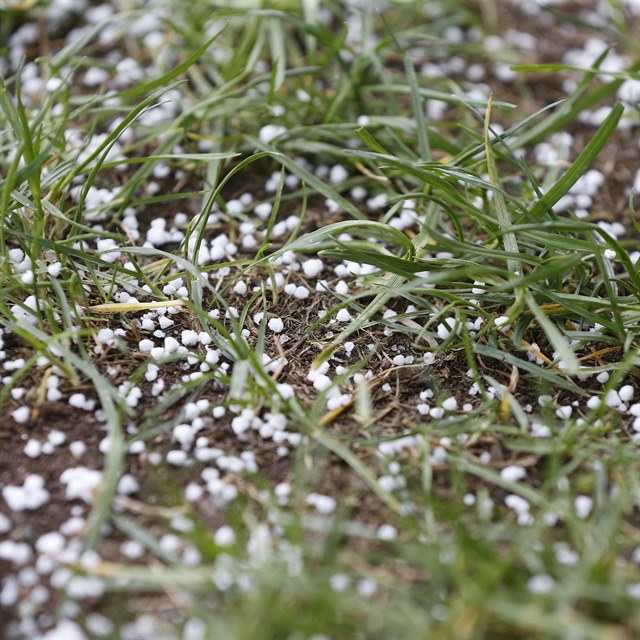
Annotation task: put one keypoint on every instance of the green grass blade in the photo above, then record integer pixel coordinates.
(580, 165)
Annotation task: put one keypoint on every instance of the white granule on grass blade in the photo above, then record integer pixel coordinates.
(343, 315)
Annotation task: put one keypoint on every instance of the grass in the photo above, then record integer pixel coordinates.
(486, 244)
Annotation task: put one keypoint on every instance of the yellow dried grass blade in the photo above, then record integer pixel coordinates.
(125, 307)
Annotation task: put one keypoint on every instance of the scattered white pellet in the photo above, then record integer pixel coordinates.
(339, 582)
(189, 338)
(541, 583)
(338, 174)
(263, 210)
(240, 288)
(128, 485)
(31, 495)
(513, 473)
(177, 457)
(5, 523)
(387, 532)
(81, 482)
(224, 536)
(343, 315)
(313, 267)
(132, 549)
(17, 552)
(450, 404)
(517, 503)
(50, 543)
(54, 269)
(56, 437)
(322, 382)
(193, 492)
(626, 393)
(323, 504)
(270, 132)
(77, 448)
(77, 400)
(276, 325)
(445, 328)
(367, 587)
(583, 506)
(33, 448)
(593, 402)
(21, 415)
(612, 399)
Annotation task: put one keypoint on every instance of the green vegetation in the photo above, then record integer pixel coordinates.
(470, 277)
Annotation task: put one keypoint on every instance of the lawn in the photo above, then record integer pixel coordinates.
(319, 319)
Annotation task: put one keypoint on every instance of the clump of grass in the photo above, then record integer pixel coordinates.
(487, 282)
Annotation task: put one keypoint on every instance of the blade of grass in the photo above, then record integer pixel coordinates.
(580, 165)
